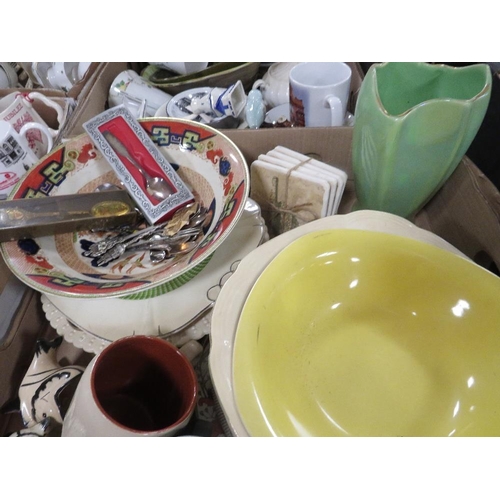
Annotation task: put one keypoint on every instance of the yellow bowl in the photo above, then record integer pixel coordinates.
(359, 333)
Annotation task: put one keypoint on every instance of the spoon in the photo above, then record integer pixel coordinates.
(198, 219)
(157, 255)
(157, 187)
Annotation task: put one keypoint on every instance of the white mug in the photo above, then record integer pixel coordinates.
(17, 109)
(138, 386)
(131, 90)
(16, 157)
(319, 93)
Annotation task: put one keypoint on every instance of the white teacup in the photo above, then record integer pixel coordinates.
(16, 157)
(17, 109)
(131, 90)
(319, 93)
(275, 84)
(137, 386)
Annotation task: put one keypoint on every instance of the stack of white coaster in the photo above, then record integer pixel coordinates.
(295, 189)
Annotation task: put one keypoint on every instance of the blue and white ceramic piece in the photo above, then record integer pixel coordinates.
(210, 105)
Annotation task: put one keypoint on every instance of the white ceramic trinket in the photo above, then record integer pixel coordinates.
(255, 109)
(42, 386)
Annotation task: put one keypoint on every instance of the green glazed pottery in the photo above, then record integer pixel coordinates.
(413, 123)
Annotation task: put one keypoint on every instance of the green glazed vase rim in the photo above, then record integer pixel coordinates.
(437, 67)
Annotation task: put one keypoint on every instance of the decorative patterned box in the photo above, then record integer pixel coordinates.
(138, 163)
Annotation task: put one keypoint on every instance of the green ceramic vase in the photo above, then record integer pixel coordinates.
(413, 124)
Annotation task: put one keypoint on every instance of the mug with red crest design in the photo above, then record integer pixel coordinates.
(17, 109)
(16, 157)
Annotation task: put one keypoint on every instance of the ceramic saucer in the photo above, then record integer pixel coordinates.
(280, 116)
(161, 112)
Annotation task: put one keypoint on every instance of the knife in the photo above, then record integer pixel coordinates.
(48, 215)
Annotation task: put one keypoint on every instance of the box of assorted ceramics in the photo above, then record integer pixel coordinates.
(464, 212)
(69, 79)
(114, 82)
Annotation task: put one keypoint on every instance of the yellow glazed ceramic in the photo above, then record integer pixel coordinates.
(359, 333)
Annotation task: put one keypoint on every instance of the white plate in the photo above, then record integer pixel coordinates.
(278, 114)
(91, 343)
(96, 322)
(232, 298)
(162, 110)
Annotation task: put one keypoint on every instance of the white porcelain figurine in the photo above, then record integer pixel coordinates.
(41, 390)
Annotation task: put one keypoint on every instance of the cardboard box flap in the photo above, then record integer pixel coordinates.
(465, 211)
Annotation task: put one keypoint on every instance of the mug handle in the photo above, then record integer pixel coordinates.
(38, 126)
(259, 85)
(51, 104)
(335, 105)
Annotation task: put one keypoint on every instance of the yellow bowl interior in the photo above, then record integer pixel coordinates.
(360, 333)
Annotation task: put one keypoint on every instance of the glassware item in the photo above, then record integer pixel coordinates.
(414, 122)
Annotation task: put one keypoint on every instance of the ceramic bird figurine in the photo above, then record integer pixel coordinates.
(42, 387)
(255, 110)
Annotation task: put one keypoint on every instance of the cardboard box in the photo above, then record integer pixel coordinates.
(465, 212)
(75, 92)
(96, 97)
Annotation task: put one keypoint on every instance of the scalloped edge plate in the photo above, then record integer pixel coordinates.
(94, 323)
